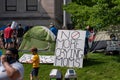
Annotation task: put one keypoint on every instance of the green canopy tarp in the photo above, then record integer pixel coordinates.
(40, 37)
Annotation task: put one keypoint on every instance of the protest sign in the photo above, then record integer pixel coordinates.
(43, 59)
(70, 48)
(14, 25)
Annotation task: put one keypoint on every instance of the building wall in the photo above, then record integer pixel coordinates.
(48, 11)
(59, 11)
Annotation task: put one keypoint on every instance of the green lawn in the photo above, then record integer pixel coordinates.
(97, 67)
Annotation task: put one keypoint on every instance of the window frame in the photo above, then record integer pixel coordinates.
(7, 7)
(29, 7)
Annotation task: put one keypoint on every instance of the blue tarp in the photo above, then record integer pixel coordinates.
(2, 28)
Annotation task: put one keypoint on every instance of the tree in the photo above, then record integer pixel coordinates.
(96, 13)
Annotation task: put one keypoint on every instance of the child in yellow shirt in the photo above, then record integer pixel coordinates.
(35, 64)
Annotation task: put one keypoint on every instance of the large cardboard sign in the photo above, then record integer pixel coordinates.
(43, 59)
(70, 48)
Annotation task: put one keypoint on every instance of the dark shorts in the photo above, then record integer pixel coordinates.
(35, 71)
(8, 40)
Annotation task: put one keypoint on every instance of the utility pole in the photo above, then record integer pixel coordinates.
(64, 17)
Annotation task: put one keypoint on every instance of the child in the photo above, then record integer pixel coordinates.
(35, 63)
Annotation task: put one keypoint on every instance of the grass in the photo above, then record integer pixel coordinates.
(97, 67)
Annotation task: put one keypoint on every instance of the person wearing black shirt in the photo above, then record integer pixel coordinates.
(20, 33)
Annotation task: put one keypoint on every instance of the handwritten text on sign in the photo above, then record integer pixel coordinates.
(43, 59)
(70, 48)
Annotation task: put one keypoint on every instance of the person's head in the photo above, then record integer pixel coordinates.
(19, 26)
(87, 27)
(12, 54)
(9, 25)
(34, 50)
(112, 36)
(90, 28)
(51, 25)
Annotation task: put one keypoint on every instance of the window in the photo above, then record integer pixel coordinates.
(31, 5)
(10, 5)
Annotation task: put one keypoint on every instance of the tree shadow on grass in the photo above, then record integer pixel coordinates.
(91, 62)
(117, 57)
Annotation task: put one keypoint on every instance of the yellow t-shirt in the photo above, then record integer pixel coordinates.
(35, 60)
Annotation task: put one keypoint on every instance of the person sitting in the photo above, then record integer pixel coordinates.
(113, 37)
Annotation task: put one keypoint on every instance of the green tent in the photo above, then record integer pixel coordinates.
(40, 37)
